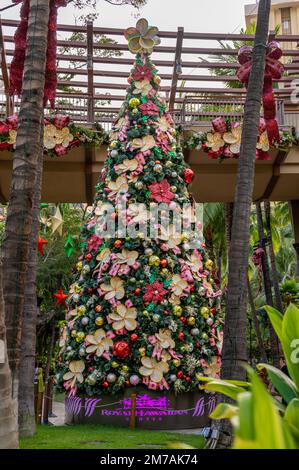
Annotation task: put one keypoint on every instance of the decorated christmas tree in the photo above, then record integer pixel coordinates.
(142, 310)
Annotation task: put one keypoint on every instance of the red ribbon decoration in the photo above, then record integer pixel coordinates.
(273, 71)
(17, 64)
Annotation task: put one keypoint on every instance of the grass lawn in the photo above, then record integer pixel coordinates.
(106, 437)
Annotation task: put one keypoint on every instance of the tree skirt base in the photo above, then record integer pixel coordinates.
(154, 410)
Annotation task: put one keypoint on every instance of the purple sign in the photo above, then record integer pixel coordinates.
(147, 407)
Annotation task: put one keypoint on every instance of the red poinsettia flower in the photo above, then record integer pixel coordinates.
(160, 192)
(4, 128)
(149, 108)
(155, 292)
(142, 72)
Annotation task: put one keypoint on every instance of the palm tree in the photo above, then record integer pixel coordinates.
(234, 347)
(8, 405)
(19, 215)
(26, 410)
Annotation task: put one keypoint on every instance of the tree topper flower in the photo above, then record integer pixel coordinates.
(144, 143)
(234, 138)
(99, 342)
(214, 141)
(153, 369)
(75, 372)
(124, 317)
(114, 289)
(142, 38)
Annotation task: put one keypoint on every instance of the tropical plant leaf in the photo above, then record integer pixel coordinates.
(245, 430)
(224, 411)
(290, 341)
(276, 319)
(224, 387)
(292, 416)
(283, 384)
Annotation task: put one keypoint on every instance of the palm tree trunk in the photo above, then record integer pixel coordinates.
(19, 216)
(8, 405)
(47, 374)
(256, 324)
(277, 296)
(234, 345)
(267, 282)
(27, 364)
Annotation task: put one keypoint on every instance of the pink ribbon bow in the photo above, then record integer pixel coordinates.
(273, 71)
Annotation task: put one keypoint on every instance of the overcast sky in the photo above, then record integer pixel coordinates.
(195, 15)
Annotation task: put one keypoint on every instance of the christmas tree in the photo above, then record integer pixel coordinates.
(142, 310)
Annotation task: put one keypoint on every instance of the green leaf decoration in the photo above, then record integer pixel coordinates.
(152, 278)
(69, 246)
(151, 307)
(167, 283)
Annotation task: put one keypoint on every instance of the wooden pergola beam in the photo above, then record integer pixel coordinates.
(162, 34)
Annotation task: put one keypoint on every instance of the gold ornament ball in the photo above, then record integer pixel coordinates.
(145, 313)
(79, 266)
(168, 164)
(81, 310)
(114, 364)
(154, 261)
(177, 310)
(99, 321)
(204, 311)
(209, 264)
(74, 333)
(134, 102)
(173, 189)
(176, 362)
(184, 237)
(164, 271)
(191, 321)
(80, 337)
(157, 79)
(125, 369)
(77, 289)
(142, 351)
(204, 336)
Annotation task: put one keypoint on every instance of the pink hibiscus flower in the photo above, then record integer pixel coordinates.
(149, 108)
(155, 292)
(160, 192)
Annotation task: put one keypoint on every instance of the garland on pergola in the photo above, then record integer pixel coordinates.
(17, 64)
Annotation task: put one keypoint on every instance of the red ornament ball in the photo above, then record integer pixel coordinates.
(183, 320)
(121, 349)
(192, 288)
(127, 383)
(88, 257)
(137, 291)
(117, 243)
(134, 337)
(105, 384)
(90, 290)
(180, 374)
(188, 175)
(198, 345)
(181, 336)
(163, 263)
(188, 379)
